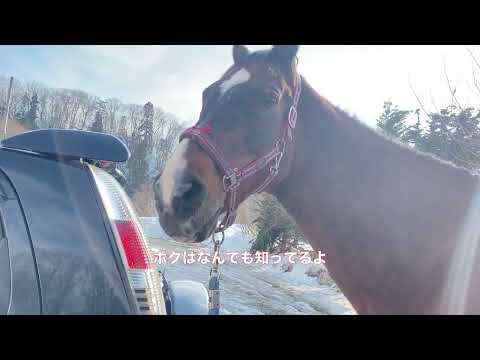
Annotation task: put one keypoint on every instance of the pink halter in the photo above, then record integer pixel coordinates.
(265, 167)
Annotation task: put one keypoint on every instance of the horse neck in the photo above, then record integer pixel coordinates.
(376, 208)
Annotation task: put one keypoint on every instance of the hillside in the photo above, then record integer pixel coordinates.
(14, 127)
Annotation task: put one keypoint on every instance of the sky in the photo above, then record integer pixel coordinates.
(358, 78)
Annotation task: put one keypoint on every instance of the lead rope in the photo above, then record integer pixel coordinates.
(214, 282)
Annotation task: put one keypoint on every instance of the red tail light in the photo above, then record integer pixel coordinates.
(133, 246)
(136, 257)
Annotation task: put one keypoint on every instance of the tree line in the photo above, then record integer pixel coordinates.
(149, 132)
(451, 133)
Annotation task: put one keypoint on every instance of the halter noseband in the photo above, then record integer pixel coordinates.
(233, 178)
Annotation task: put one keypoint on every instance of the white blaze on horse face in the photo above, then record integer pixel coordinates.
(240, 77)
(173, 169)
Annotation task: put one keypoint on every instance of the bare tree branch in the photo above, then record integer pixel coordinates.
(472, 89)
(452, 91)
(418, 99)
(433, 102)
(477, 86)
(473, 57)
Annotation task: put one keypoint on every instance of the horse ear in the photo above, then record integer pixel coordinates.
(240, 53)
(285, 53)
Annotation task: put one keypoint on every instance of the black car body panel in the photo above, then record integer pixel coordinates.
(76, 270)
(17, 262)
(62, 249)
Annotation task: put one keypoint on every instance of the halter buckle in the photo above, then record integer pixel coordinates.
(292, 117)
(233, 179)
(274, 169)
(218, 242)
(280, 145)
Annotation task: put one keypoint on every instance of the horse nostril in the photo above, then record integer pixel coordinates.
(189, 197)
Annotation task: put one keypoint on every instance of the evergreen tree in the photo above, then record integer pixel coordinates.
(30, 118)
(22, 111)
(122, 128)
(414, 133)
(141, 147)
(137, 166)
(452, 134)
(273, 230)
(146, 129)
(392, 120)
(97, 125)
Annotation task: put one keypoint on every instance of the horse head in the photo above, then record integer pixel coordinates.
(240, 145)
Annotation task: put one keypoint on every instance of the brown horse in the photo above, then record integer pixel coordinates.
(397, 226)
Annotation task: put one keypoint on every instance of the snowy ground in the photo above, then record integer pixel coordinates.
(251, 289)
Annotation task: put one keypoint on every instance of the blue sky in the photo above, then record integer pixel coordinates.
(358, 78)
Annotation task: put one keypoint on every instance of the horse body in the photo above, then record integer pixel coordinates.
(388, 218)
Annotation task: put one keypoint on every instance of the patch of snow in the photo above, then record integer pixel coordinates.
(236, 240)
(253, 289)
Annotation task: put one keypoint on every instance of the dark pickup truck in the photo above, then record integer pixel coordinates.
(70, 240)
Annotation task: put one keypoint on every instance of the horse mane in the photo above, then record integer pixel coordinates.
(367, 132)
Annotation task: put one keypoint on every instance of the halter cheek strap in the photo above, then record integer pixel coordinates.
(266, 167)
